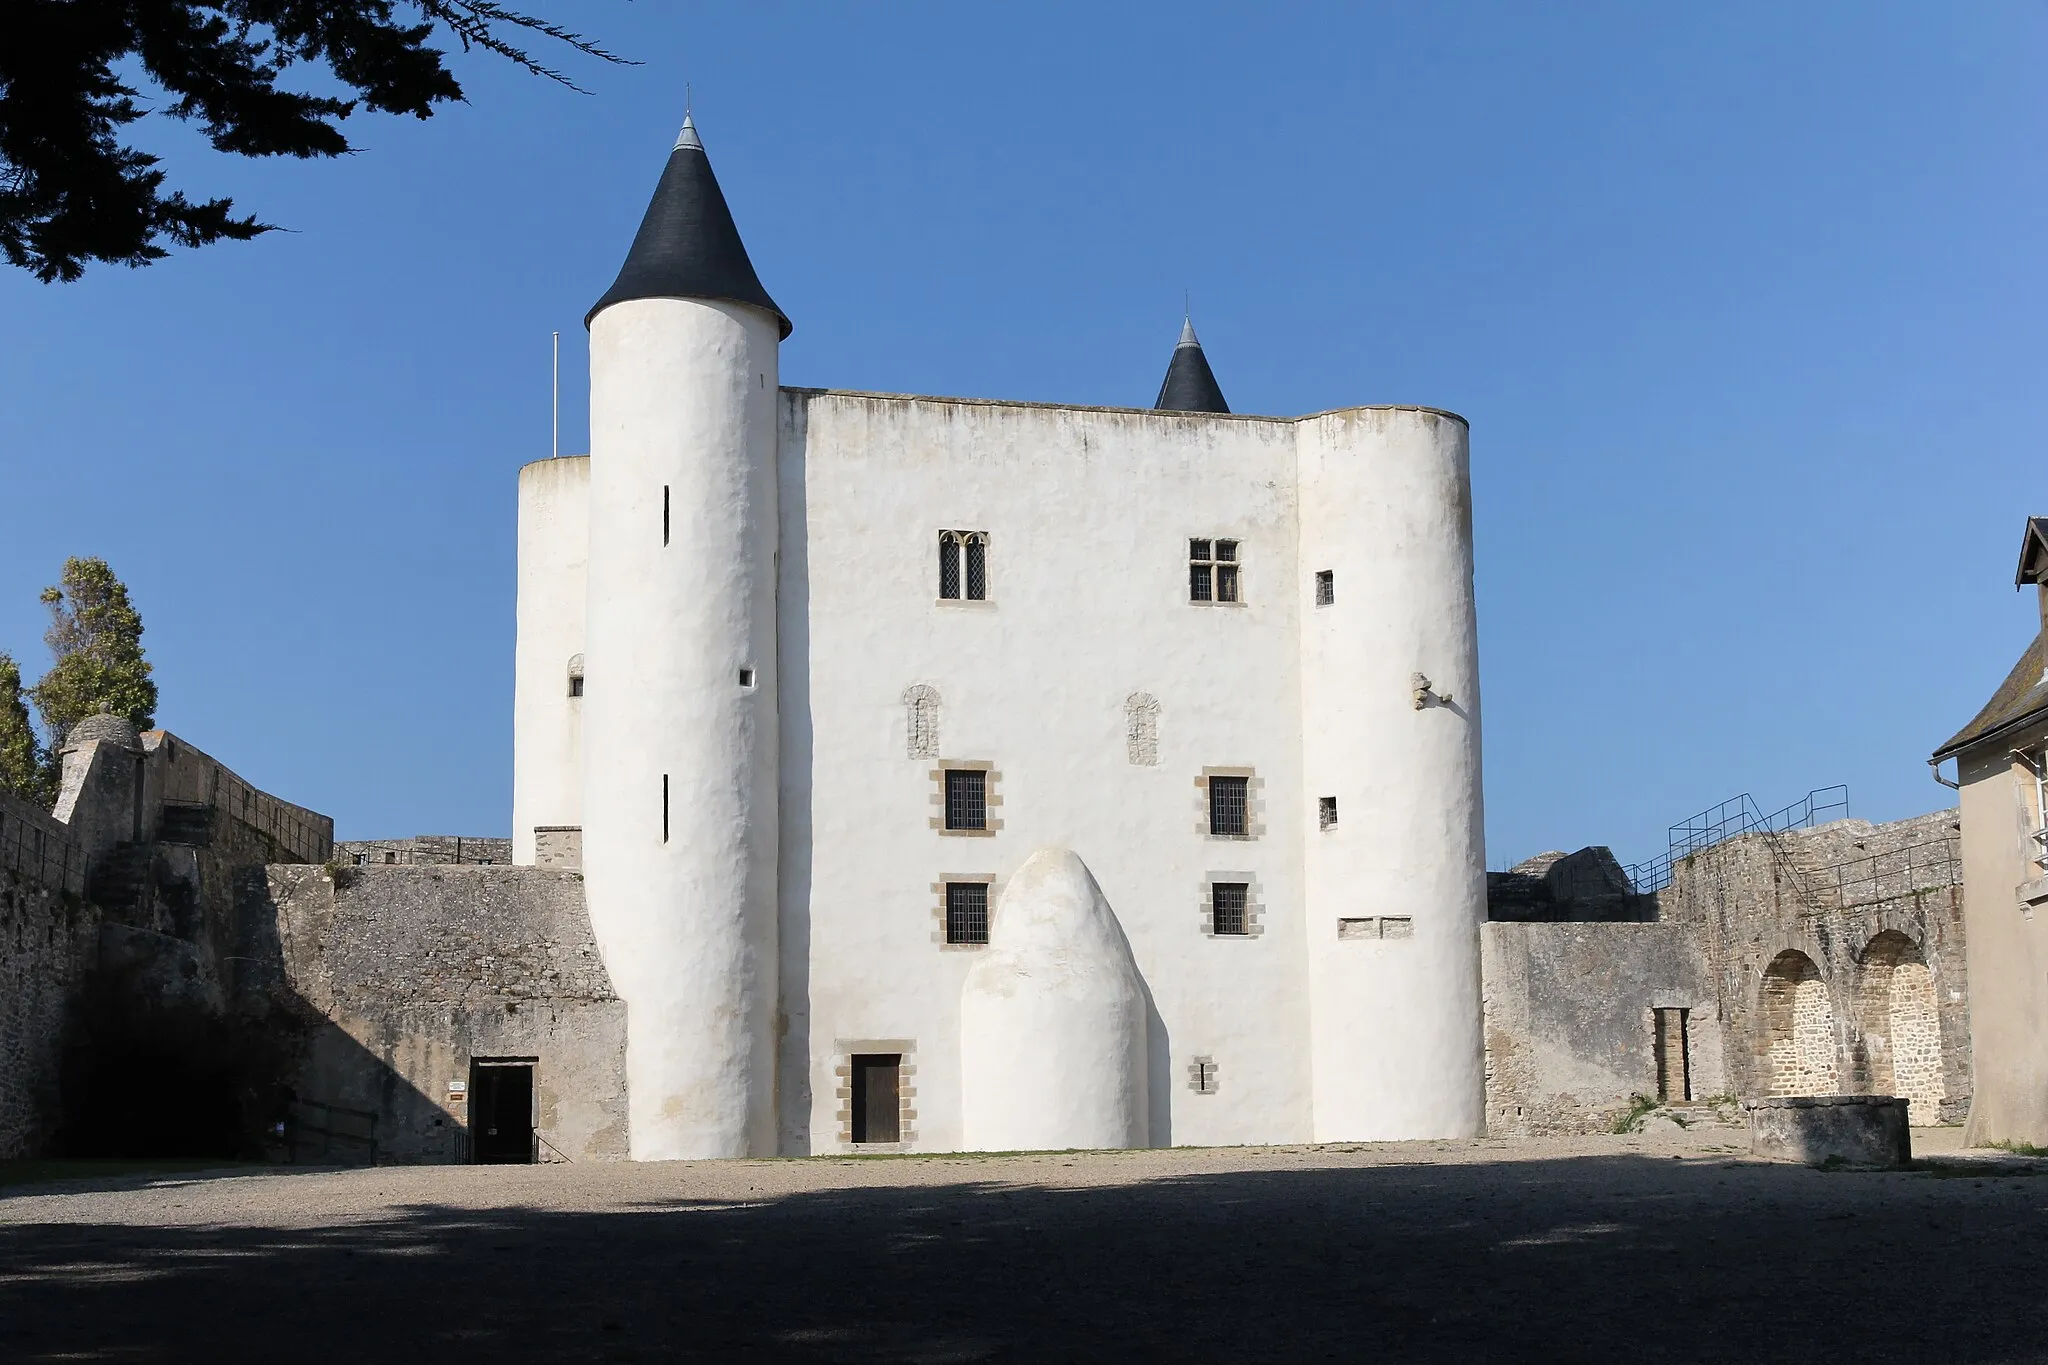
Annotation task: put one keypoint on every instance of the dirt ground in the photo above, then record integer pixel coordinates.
(1595, 1249)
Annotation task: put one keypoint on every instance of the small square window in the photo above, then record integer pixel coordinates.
(1326, 811)
(1227, 907)
(1228, 803)
(746, 677)
(966, 912)
(1212, 570)
(1326, 587)
(966, 798)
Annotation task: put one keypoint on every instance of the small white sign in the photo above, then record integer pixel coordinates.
(458, 1087)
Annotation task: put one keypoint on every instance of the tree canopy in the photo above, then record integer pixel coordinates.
(74, 191)
(95, 641)
(21, 757)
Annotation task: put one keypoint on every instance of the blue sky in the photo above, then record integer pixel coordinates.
(1744, 303)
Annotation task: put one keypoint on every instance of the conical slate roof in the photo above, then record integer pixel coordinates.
(1190, 384)
(687, 246)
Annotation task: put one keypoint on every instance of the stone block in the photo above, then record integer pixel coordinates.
(1860, 1130)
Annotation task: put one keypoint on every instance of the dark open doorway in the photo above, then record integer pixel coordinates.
(877, 1097)
(501, 1111)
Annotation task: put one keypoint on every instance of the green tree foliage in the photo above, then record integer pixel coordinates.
(21, 758)
(72, 190)
(95, 638)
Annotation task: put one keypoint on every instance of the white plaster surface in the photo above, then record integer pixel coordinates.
(554, 546)
(683, 396)
(1053, 1020)
(1386, 504)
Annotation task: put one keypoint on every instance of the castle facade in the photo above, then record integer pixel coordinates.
(952, 774)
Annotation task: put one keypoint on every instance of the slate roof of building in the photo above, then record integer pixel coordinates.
(688, 246)
(1190, 384)
(2022, 696)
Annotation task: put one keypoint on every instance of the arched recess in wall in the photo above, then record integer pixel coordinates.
(1901, 1026)
(1141, 729)
(921, 720)
(1798, 1022)
(575, 675)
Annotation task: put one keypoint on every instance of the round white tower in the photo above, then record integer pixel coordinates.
(1396, 886)
(679, 724)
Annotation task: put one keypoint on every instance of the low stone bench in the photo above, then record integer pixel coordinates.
(1861, 1130)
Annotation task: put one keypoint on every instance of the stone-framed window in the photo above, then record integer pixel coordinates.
(1326, 587)
(1230, 803)
(921, 720)
(1376, 927)
(870, 1054)
(1233, 905)
(1215, 570)
(965, 795)
(962, 905)
(963, 566)
(1141, 729)
(1202, 1075)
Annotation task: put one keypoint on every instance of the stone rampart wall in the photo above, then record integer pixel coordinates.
(440, 850)
(407, 974)
(48, 939)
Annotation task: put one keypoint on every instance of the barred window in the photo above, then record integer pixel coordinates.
(1326, 587)
(1212, 570)
(1326, 811)
(1227, 804)
(966, 798)
(1226, 907)
(949, 565)
(966, 912)
(973, 547)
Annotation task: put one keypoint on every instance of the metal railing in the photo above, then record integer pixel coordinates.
(1731, 819)
(1935, 865)
(38, 848)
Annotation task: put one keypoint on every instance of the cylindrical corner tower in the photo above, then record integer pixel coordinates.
(679, 738)
(1395, 870)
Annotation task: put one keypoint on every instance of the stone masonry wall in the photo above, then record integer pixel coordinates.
(411, 972)
(48, 937)
(1571, 1021)
(1837, 955)
(436, 849)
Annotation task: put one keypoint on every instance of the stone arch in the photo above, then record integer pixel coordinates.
(1798, 1020)
(1141, 729)
(1902, 1025)
(921, 720)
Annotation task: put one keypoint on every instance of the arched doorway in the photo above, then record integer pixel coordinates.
(1901, 1028)
(1799, 1027)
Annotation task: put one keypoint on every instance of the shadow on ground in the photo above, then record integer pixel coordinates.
(1615, 1258)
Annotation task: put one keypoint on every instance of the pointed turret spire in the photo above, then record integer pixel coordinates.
(688, 246)
(1190, 384)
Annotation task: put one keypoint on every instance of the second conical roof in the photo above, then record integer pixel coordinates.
(1190, 384)
(688, 246)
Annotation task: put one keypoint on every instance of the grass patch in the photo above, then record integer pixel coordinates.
(2017, 1148)
(1631, 1119)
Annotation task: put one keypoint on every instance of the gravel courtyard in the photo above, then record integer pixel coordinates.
(1600, 1249)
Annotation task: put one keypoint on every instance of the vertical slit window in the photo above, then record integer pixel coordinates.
(664, 808)
(664, 514)
(977, 567)
(966, 798)
(1326, 587)
(1227, 907)
(966, 912)
(1228, 799)
(949, 565)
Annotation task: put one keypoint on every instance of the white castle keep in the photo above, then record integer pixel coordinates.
(961, 774)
